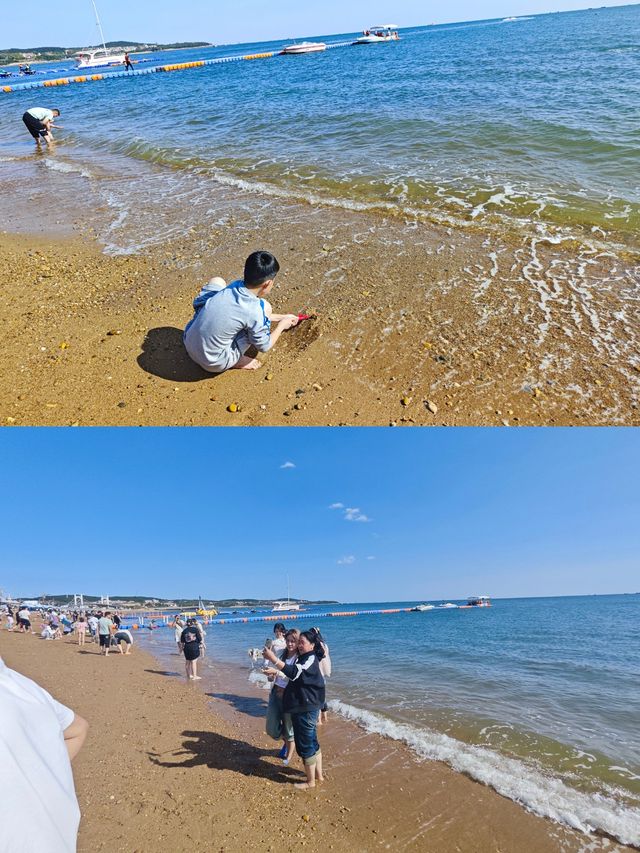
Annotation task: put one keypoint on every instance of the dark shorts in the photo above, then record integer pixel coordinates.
(35, 127)
(105, 640)
(25, 623)
(192, 651)
(122, 638)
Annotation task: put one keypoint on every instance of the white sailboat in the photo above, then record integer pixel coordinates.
(285, 606)
(101, 56)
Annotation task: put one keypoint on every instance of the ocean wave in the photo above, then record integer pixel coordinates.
(58, 165)
(544, 795)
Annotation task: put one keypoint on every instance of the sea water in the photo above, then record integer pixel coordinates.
(538, 698)
(504, 123)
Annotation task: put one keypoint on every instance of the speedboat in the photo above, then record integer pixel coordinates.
(303, 47)
(379, 33)
(421, 608)
(477, 601)
(448, 606)
(99, 58)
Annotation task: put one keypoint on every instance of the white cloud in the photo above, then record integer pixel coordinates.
(354, 514)
(337, 506)
(346, 561)
(288, 465)
(370, 558)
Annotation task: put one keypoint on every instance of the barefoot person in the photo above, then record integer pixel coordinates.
(190, 645)
(39, 122)
(303, 698)
(39, 738)
(278, 724)
(231, 320)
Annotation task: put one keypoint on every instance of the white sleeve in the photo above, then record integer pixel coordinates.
(65, 715)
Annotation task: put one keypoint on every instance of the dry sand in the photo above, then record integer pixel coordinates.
(93, 339)
(170, 766)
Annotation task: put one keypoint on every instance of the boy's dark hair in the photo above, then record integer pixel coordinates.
(56, 110)
(260, 267)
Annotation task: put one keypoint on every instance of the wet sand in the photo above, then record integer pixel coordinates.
(429, 333)
(171, 765)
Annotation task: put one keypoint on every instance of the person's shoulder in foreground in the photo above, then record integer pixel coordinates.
(230, 320)
(38, 738)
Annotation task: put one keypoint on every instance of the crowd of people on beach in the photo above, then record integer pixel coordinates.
(102, 627)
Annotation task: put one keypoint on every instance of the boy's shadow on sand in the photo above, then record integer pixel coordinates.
(163, 354)
(223, 753)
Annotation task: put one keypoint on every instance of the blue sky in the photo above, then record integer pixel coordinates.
(41, 22)
(355, 515)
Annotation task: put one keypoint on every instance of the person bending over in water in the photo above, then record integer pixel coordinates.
(39, 122)
(230, 320)
(303, 698)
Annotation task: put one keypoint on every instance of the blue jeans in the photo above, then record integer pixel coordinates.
(306, 738)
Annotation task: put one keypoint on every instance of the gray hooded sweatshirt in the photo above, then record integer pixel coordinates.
(225, 324)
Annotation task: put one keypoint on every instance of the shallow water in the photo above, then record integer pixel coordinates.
(538, 698)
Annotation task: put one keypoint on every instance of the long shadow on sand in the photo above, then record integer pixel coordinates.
(249, 705)
(222, 753)
(166, 672)
(163, 354)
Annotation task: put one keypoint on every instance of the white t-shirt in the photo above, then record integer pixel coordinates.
(41, 113)
(24, 614)
(282, 680)
(38, 806)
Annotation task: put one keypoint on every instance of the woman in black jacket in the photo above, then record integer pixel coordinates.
(303, 699)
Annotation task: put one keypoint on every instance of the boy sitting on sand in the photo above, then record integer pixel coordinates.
(229, 319)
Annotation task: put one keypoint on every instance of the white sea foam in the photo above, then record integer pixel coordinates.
(541, 794)
(67, 168)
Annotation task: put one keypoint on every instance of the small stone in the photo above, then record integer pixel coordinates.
(112, 332)
(406, 401)
(64, 345)
(299, 392)
(269, 377)
(233, 407)
(306, 818)
(11, 420)
(430, 406)
(537, 393)
(316, 386)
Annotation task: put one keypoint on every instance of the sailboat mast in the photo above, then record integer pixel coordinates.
(95, 9)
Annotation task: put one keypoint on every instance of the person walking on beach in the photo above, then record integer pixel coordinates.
(304, 696)
(24, 620)
(128, 64)
(81, 630)
(39, 738)
(39, 122)
(190, 645)
(105, 629)
(230, 321)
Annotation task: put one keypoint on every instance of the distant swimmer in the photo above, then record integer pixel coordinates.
(128, 64)
(39, 122)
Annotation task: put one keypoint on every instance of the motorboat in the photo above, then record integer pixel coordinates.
(422, 608)
(101, 57)
(448, 606)
(477, 601)
(378, 34)
(303, 47)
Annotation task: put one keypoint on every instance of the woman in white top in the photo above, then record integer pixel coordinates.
(278, 724)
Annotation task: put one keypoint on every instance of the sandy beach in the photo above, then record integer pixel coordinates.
(95, 339)
(173, 765)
